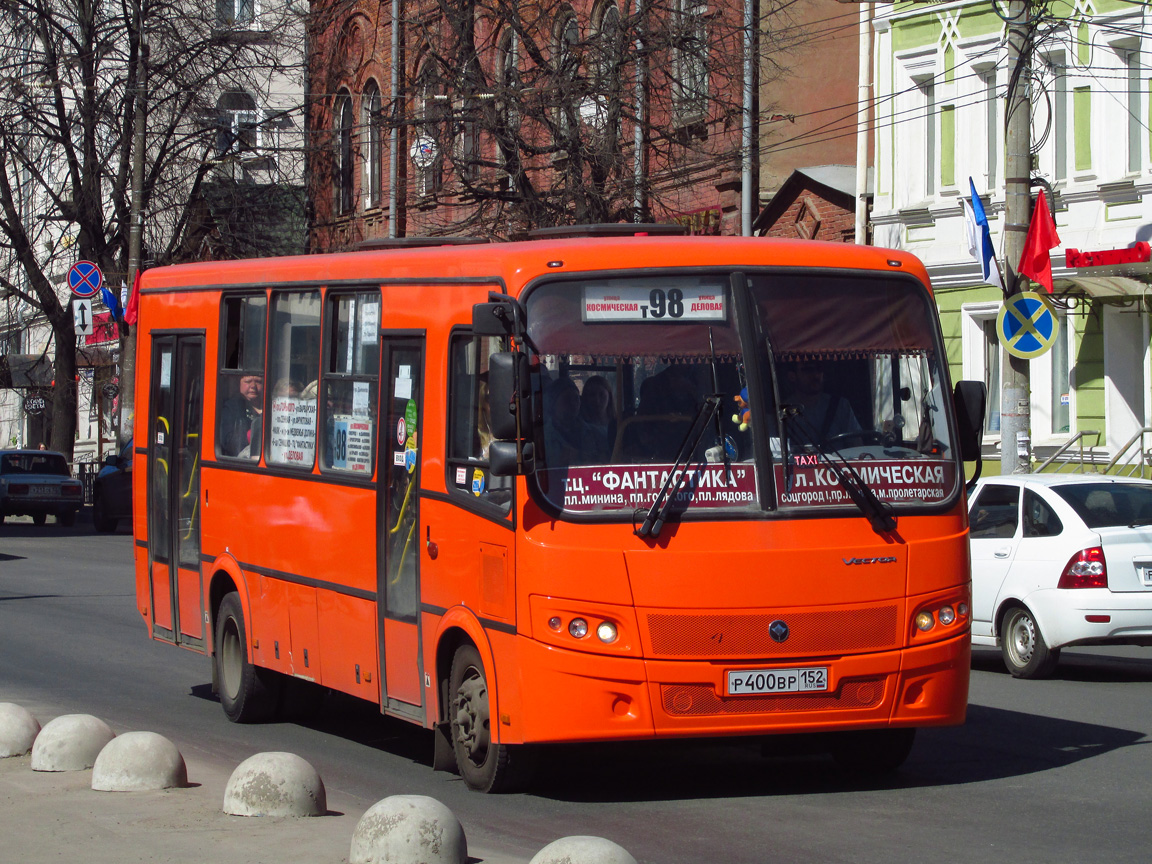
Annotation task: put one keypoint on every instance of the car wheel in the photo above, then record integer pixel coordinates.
(101, 521)
(484, 766)
(66, 520)
(248, 694)
(39, 518)
(1026, 654)
(872, 752)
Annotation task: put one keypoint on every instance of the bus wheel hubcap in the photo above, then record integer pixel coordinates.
(472, 716)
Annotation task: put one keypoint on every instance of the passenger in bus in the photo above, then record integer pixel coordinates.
(597, 411)
(567, 438)
(823, 415)
(241, 419)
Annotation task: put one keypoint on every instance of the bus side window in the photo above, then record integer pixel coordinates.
(469, 425)
(240, 384)
(293, 367)
(351, 374)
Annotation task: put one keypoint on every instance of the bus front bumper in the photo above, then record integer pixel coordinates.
(572, 696)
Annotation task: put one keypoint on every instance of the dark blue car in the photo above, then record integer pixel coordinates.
(112, 490)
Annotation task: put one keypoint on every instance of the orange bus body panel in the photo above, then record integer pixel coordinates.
(302, 548)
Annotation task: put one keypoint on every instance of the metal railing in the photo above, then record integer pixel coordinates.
(1133, 459)
(86, 473)
(1065, 460)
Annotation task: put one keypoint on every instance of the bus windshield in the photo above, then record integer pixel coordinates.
(832, 372)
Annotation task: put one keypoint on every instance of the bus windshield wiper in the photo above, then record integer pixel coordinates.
(654, 520)
(879, 514)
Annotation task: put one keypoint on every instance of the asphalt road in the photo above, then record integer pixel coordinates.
(1049, 771)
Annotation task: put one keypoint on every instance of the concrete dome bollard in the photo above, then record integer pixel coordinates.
(275, 784)
(408, 829)
(582, 850)
(139, 761)
(71, 742)
(18, 729)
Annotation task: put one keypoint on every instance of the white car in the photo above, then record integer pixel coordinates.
(1060, 560)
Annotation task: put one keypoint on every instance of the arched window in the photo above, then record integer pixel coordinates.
(603, 108)
(509, 95)
(345, 122)
(690, 84)
(370, 107)
(237, 124)
(431, 111)
(567, 70)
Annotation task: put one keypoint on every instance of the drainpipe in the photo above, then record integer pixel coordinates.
(864, 102)
(394, 135)
(746, 132)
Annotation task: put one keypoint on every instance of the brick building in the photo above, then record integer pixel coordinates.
(509, 119)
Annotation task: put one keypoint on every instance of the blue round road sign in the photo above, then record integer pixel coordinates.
(85, 279)
(1027, 326)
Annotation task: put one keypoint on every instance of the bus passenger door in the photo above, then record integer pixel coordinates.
(173, 505)
(398, 524)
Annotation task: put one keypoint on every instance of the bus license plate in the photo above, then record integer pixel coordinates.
(759, 681)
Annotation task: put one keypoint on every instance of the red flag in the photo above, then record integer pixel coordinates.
(1035, 262)
(133, 308)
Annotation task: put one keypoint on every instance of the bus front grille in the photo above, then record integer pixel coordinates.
(693, 700)
(740, 635)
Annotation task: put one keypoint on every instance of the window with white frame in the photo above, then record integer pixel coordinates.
(690, 59)
(1131, 60)
(431, 111)
(1050, 116)
(237, 125)
(232, 13)
(370, 122)
(1050, 375)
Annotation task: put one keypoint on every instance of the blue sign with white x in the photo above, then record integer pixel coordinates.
(1027, 325)
(85, 279)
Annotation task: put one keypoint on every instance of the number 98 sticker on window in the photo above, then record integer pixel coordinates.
(653, 305)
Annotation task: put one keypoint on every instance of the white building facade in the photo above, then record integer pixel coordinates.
(941, 77)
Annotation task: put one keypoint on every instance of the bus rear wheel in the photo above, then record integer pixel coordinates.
(248, 694)
(484, 765)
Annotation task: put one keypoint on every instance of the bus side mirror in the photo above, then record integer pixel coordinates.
(503, 317)
(969, 399)
(510, 406)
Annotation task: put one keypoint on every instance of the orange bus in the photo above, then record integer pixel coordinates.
(568, 489)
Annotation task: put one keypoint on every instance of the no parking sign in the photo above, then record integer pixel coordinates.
(1027, 326)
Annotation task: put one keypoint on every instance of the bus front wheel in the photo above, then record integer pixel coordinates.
(485, 766)
(248, 694)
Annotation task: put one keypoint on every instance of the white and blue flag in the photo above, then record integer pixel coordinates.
(980, 238)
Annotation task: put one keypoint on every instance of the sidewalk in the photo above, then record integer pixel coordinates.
(57, 817)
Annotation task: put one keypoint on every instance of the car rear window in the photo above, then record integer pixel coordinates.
(34, 463)
(1102, 505)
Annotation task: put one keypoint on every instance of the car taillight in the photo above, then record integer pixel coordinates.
(1085, 569)
(18, 488)
(71, 490)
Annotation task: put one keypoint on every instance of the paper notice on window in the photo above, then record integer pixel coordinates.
(360, 399)
(293, 431)
(403, 386)
(369, 322)
(352, 444)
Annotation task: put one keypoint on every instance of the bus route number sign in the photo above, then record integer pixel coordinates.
(652, 305)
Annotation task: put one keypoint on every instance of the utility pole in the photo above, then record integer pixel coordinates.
(135, 237)
(1015, 396)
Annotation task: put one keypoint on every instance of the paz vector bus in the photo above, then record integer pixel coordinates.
(570, 489)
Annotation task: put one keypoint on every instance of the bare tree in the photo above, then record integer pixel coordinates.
(70, 88)
(529, 115)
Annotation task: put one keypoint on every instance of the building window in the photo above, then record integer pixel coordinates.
(928, 89)
(370, 106)
(690, 60)
(232, 13)
(509, 104)
(237, 125)
(1132, 67)
(431, 113)
(344, 152)
(567, 72)
(991, 128)
(602, 108)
